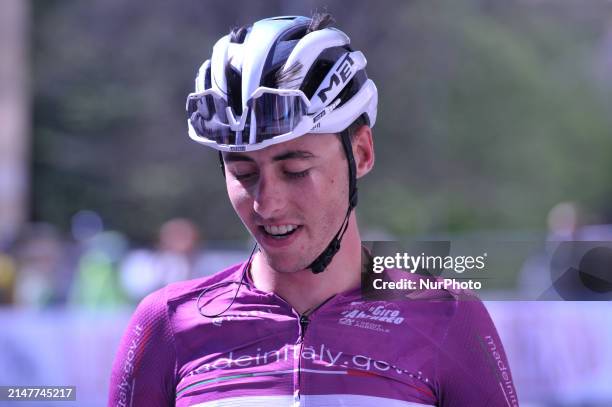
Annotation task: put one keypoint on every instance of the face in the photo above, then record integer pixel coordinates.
(292, 197)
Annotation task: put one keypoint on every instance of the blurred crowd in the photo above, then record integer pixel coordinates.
(98, 268)
(91, 266)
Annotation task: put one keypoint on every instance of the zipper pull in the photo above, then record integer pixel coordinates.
(303, 324)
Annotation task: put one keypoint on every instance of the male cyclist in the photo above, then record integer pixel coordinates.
(289, 107)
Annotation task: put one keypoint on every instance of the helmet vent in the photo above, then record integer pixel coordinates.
(283, 18)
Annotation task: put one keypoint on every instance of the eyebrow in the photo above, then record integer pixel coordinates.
(289, 155)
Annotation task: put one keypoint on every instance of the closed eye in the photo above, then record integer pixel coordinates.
(295, 175)
(243, 177)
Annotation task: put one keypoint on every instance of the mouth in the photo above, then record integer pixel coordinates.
(279, 232)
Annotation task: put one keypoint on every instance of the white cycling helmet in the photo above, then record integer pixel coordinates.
(276, 80)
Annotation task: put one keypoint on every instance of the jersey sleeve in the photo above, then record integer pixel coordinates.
(472, 368)
(144, 368)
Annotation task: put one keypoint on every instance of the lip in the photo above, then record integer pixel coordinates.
(268, 241)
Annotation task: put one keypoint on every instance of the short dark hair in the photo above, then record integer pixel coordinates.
(319, 21)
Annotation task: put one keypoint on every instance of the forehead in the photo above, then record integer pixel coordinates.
(309, 145)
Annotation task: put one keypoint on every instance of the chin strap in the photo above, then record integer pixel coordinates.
(322, 261)
(221, 164)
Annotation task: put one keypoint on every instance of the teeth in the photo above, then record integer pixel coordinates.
(280, 230)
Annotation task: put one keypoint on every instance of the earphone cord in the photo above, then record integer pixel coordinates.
(247, 266)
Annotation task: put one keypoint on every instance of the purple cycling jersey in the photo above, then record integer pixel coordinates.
(439, 350)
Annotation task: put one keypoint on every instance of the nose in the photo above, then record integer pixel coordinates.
(270, 197)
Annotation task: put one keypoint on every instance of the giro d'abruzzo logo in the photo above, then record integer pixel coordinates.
(373, 316)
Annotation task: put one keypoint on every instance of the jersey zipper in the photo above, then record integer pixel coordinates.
(303, 320)
(298, 378)
(303, 325)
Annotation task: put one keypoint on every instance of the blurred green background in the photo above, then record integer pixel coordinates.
(490, 112)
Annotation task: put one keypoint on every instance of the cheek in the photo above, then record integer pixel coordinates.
(331, 193)
(239, 198)
(337, 184)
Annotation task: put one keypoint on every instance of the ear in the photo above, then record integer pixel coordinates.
(363, 150)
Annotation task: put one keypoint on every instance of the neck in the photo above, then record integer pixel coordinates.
(305, 290)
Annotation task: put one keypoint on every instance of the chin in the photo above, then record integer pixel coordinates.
(282, 264)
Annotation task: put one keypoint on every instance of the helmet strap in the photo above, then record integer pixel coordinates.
(221, 164)
(322, 261)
